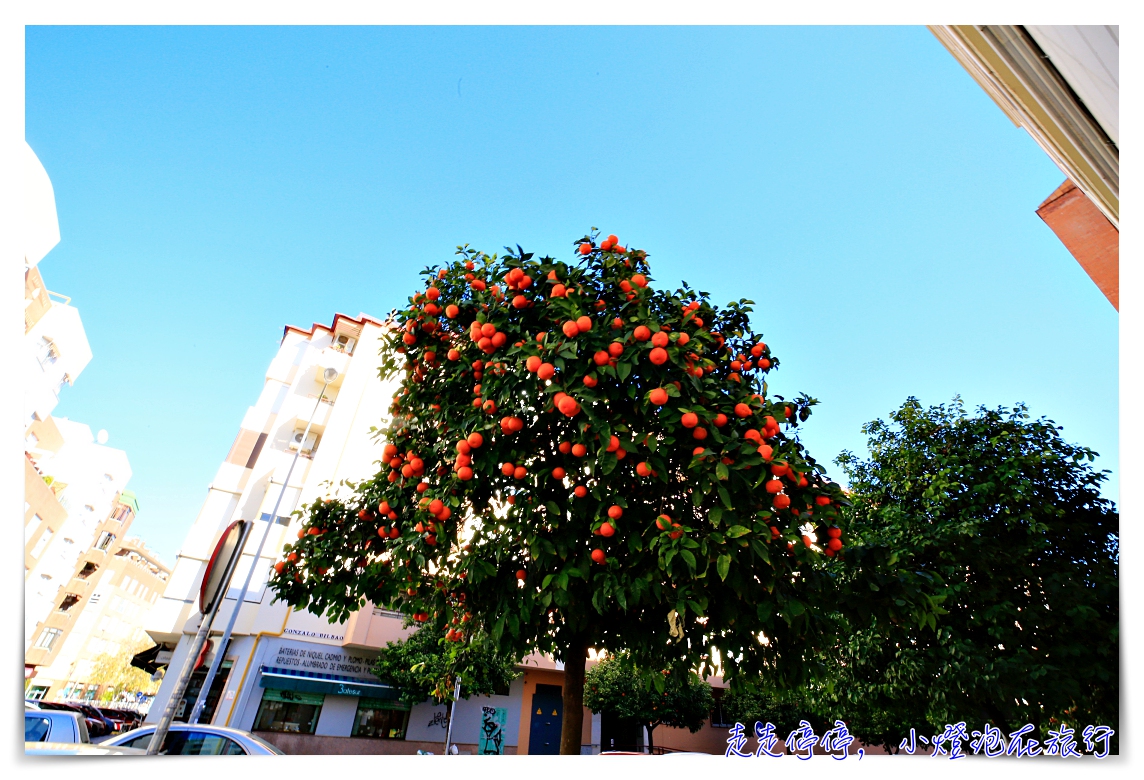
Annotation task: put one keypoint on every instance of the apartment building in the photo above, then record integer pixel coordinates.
(101, 613)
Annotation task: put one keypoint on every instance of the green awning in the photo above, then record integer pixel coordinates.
(289, 680)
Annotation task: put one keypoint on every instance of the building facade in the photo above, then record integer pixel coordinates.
(295, 678)
(101, 614)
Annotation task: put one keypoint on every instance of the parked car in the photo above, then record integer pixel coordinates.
(124, 720)
(197, 739)
(31, 704)
(79, 749)
(95, 713)
(95, 726)
(55, 726)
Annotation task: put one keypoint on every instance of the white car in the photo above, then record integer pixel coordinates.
(196, 740)
(54, 726)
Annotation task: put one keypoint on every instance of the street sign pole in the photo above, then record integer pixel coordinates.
(329, 375)
(200, 640)
(452, 713)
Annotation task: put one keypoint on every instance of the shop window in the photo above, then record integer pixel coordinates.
(380, 718)
(288, 711)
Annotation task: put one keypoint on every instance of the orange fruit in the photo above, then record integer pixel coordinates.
(475, 440)
(580, 491)
(720, 420)
(570, 329)
(590, 381)
(558, 473)
(615, 349)
(639, 280)
(585, 248)
(689, 419)
(546, 371)
(615, 512)
(464, 473)
(643, 469)
(774, 486)
(519, 302)
(607, 529)
(532, 363)
(781, 501)
(432, 293)
(641, 333)
(658, 396)
(658, 356)
(598, 556)
(663, 522)
(520, 473)
(565, 447)
(568, 406)
(579, 450)
(660, 339)
(584, 324)
(601, 358)
(558, 291)
(508, 469)
(699, 433)
(278, 567)
(521, 574)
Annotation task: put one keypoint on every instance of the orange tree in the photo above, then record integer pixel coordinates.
(577, 459)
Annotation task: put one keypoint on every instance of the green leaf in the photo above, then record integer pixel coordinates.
(724, 496)
(735, 531)
(715, 515)
(688, 558)
(623, 370)
(723, 566)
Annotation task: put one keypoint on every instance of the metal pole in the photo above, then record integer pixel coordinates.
(201, 701)
(184, 678)
(452, 712)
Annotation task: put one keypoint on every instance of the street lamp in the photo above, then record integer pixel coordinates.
(329, 375)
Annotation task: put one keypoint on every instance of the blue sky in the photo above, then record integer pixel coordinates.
(216, 184)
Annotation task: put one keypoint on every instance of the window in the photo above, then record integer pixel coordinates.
(280, 521)
(31, 440)
(105, 540)
(36, 728)
(125, 583)
(30, 528)
(46, 352)
(36, 692)
(42, 543)
(718, 719)
(70, 600)
(344, 343)
(95, 597)
(87, 570)
(381, 719)
(289, 711)
(48, 638)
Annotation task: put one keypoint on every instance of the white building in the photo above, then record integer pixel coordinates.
(85, 479)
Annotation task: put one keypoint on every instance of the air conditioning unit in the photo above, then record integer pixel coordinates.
(308, 446)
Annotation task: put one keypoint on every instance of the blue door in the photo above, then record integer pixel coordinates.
(547, 718)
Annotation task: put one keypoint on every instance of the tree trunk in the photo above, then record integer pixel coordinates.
(572, 726)
(650, 744)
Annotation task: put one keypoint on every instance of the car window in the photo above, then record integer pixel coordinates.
(36, 728)
(141, 741)
(200, 743)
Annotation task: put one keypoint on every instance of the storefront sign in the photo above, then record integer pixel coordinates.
(282, 679)
(322, 659)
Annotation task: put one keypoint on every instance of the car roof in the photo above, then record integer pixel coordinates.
(195, 727)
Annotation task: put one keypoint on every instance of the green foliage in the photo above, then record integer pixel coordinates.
(1010, 516)
(785, 709)
(424, 666)
(650, 697)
